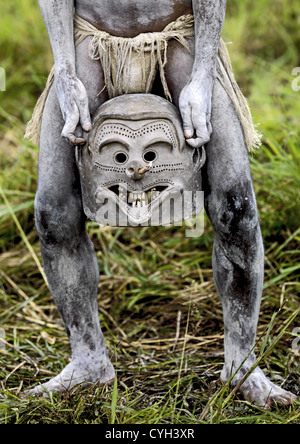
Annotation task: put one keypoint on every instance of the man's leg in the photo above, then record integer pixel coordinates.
(238, 258)
(68, 255)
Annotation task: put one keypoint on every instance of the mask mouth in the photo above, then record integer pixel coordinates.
(138, 199)
(159, 204)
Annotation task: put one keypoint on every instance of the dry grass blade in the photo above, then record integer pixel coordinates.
(23, 235)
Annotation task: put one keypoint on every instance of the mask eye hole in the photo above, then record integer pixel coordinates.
(121, 158)
(150, 156)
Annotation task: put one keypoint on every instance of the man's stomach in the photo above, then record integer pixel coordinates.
(128, 18)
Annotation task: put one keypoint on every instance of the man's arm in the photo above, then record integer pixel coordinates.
(195, 99)
(72, 96)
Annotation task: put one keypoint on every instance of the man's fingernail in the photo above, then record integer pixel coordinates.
(80, 142)
(87, 127)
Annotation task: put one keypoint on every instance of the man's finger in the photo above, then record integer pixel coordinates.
(69, 129)
(71, 138)
(197, 142)
(188, 126)
(84, 112)
(202, 126)
(202, 137)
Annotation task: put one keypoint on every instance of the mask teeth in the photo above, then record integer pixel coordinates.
(154, 194)
(122, 194)
(138, 199)
(144, 200)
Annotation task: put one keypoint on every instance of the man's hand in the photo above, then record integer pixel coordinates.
(74, 105)
(196, 97)
(195, 106)
(58, 17)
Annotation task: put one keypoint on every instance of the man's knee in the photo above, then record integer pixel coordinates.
(58, 223)
(234, 215)
(238, 258)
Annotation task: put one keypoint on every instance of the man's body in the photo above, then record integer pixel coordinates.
(68, 255)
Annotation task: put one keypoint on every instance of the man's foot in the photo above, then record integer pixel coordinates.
(76, 373)
(259, 390)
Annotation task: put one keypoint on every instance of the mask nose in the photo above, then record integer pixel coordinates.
(136, 170)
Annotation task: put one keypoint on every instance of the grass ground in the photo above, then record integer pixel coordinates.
(158, 305)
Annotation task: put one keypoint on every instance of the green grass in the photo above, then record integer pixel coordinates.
(158, 306)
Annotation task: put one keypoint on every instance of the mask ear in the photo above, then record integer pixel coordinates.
(199, 158)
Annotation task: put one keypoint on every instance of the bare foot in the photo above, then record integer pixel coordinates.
(76, 373)
(259, 390)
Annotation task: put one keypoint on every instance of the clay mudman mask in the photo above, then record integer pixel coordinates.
(136, 168)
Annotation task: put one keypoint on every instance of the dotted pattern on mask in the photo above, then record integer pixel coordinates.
(123, 131)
